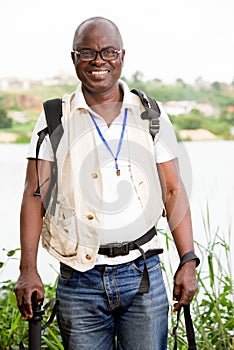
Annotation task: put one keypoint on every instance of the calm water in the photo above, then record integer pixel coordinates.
(209, 179)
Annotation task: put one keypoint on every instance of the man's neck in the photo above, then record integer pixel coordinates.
(106, 104)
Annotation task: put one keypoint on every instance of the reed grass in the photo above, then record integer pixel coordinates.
(212, 308)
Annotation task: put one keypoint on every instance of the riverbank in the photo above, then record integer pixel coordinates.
(8, 137)
(185, 135)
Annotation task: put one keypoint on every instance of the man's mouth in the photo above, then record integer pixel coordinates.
(99, 72)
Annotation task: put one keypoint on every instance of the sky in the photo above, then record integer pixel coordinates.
(167, 39)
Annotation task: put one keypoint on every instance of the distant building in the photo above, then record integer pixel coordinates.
(179, 107)
(230, 109)
(14, 84)
(207, 109)
(232, 131)
(185, 107)
(18, 116)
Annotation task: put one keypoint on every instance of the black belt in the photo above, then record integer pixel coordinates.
(116, 249)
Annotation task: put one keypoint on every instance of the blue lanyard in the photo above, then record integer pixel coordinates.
(120, 140)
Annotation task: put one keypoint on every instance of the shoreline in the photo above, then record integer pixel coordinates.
(184, 135)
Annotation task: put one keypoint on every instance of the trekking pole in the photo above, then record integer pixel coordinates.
(34, 334)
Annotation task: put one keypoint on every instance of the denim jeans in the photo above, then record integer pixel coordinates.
(102, 309)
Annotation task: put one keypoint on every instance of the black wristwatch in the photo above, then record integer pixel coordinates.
(188, 257)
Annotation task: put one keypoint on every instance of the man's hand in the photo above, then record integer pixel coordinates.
(185, 284)
(28, 283)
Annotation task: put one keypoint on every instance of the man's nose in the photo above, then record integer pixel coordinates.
(98, 59)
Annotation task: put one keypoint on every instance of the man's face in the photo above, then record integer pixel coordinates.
(98, 75)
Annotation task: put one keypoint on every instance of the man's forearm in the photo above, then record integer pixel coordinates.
(30, 230)
(31, 215)
(179, 219)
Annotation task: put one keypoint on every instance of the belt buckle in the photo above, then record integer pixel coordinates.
(118, 249)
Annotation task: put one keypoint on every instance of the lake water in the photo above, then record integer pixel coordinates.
(209, 179)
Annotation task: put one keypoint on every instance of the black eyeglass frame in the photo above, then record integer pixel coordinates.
(95, 53)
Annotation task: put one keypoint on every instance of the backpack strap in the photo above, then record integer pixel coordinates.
(187, 315)
(41, 135)
(53, 114)
(189, 329)
(152, 111)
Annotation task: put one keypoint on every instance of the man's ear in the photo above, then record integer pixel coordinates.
(122, 57)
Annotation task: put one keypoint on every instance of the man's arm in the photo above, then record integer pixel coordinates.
(31, 219)
(179, 220)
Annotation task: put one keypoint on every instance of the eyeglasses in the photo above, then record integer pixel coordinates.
(108, 54)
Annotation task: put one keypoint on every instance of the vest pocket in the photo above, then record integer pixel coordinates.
(59, 232)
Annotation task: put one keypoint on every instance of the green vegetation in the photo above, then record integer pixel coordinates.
(212, 308)
(5, 122)
(218, 95)
(195, 120)
(12, 326)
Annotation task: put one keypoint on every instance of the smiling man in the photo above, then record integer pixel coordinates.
(113, 184)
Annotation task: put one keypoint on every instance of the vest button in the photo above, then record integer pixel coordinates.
(90, 217)
(88, 257)
(94, 175)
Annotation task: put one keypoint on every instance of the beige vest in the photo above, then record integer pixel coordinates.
(72, 235)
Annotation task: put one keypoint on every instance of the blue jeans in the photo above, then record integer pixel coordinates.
(101, 309)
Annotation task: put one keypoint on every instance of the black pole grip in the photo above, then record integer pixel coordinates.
(34, 336)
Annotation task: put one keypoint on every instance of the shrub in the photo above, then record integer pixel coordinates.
(5, 122)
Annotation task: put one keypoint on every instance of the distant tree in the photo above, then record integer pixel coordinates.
(157, 81)
(137, 77)
(191, 121)
(199, 81)
(180, 82)
(5, 122)
(216, 85)
(227, 117)
(124, 78)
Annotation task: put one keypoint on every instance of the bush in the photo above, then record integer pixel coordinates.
(191, 121)
(5, 122)
(12, 326)
(212, 308)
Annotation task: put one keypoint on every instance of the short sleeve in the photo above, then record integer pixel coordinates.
(46, 151)
(165, 145)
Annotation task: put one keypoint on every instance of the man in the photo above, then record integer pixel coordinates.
(109, 191)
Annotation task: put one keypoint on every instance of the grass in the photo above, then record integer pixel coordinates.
(12, 326)
(212, 308)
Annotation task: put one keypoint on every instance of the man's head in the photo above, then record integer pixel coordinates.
(98, 54)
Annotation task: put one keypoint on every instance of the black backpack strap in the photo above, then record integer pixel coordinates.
(189, 329)
(187, 316)
(152, 111)
(53, 114)
(41, 135)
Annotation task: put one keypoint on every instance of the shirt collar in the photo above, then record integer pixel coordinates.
(79, 100)
(80, 103)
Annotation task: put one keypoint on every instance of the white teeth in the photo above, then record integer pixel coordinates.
(99, 72)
